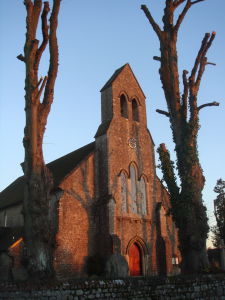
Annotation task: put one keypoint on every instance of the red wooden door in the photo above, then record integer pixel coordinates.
(135, 260)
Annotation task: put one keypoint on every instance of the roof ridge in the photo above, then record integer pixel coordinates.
(113, 77)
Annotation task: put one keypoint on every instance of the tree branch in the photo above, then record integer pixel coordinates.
(182, 15)
(29, 9)
(168, 15)
(42, 86)
(35, 15)
(199, 56)
(162, 112)
(208, 104)
(176, 3)
(185, 94)
(154, 25)
(203, 60)
(44, 43)
(194, 2)
(54, 56)
(201, 70)
(167, 167)
(39, 82)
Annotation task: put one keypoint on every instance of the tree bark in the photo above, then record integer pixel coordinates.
(38, 229)
(188, 210)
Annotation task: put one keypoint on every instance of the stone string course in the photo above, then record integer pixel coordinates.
(204, 288)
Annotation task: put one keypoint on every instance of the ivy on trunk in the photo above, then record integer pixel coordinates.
(188, 210)
(38, 232)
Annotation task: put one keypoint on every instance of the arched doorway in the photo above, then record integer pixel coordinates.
(135, 260)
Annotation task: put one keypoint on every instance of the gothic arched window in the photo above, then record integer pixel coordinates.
(123, 182)
(135, 115)
(123, 106)
(142, 198)
(133, 189)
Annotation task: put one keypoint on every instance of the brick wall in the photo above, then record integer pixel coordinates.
(74, 239)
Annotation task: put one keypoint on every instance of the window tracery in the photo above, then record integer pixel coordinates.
(133, 180)
(124, 190)
(134, 192)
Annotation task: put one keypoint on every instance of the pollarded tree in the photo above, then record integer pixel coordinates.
(188, 210)
(38, 233)
(219, 208)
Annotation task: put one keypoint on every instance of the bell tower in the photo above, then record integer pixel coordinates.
(122, 97)
(126, 186)
(122, 137)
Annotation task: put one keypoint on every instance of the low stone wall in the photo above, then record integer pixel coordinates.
(176, 288)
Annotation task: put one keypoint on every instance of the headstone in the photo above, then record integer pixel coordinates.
(6, 263)
(116, 266)
(19, 274)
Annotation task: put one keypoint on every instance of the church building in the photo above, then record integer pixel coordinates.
(111, 206)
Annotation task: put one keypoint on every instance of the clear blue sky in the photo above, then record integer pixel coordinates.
(95, 38)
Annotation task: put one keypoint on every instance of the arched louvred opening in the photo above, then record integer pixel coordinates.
(123, 106)
(133, 180)
(135, 260)
(124, 190)
(135, 114)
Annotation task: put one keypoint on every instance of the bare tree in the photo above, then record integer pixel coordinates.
(38, 234)
(188, 210)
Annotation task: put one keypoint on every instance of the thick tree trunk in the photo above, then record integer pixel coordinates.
(188, 210)
(38, 231)
(39, 236)
(193, 226)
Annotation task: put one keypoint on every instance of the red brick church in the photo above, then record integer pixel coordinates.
(113, 213)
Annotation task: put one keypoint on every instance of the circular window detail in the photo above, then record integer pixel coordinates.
(132, 143)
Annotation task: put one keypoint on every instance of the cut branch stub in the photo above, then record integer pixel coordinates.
(21, 57)
(157, 58)
(162, 112)
(210, 63)
(208, 104)
(197, 1)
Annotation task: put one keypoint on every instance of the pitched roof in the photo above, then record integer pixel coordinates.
(65, 164)
(116, 73)
(113, 77)
(60, 167)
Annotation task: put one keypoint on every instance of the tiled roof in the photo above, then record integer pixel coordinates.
(60, 167)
